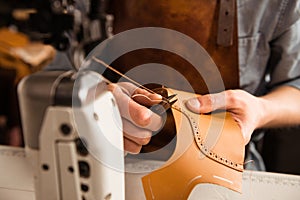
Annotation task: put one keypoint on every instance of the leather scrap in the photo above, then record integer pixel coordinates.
(209, 149)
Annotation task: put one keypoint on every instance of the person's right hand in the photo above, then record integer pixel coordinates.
(138, 121)
(247, 110)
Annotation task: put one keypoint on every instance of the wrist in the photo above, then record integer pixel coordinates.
(266, 113)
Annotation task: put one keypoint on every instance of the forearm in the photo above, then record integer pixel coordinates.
(281, 107)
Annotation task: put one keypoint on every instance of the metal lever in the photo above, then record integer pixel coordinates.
(164, 105)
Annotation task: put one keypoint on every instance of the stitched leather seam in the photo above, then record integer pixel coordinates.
(204, 149)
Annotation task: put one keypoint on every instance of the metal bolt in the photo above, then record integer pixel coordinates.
(45, 167)
(65, 129)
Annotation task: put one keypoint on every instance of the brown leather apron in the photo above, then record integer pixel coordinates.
(211, 23)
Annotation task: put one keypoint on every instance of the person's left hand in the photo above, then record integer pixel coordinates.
(246, 109)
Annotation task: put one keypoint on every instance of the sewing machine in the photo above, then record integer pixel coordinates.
(75, 144)
(66, 114)
(74, 140)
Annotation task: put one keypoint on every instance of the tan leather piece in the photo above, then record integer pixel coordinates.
(17, 52)
(197, 19)
(190, 164)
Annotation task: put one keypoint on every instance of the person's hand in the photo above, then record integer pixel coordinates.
(138, 120)
(246, 109)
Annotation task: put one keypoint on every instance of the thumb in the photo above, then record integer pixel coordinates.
(193, 104)
(207, 103)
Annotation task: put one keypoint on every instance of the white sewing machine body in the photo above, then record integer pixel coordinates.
(73, 136)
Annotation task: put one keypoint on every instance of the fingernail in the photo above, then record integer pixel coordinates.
(158, 96)
(193, 103)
